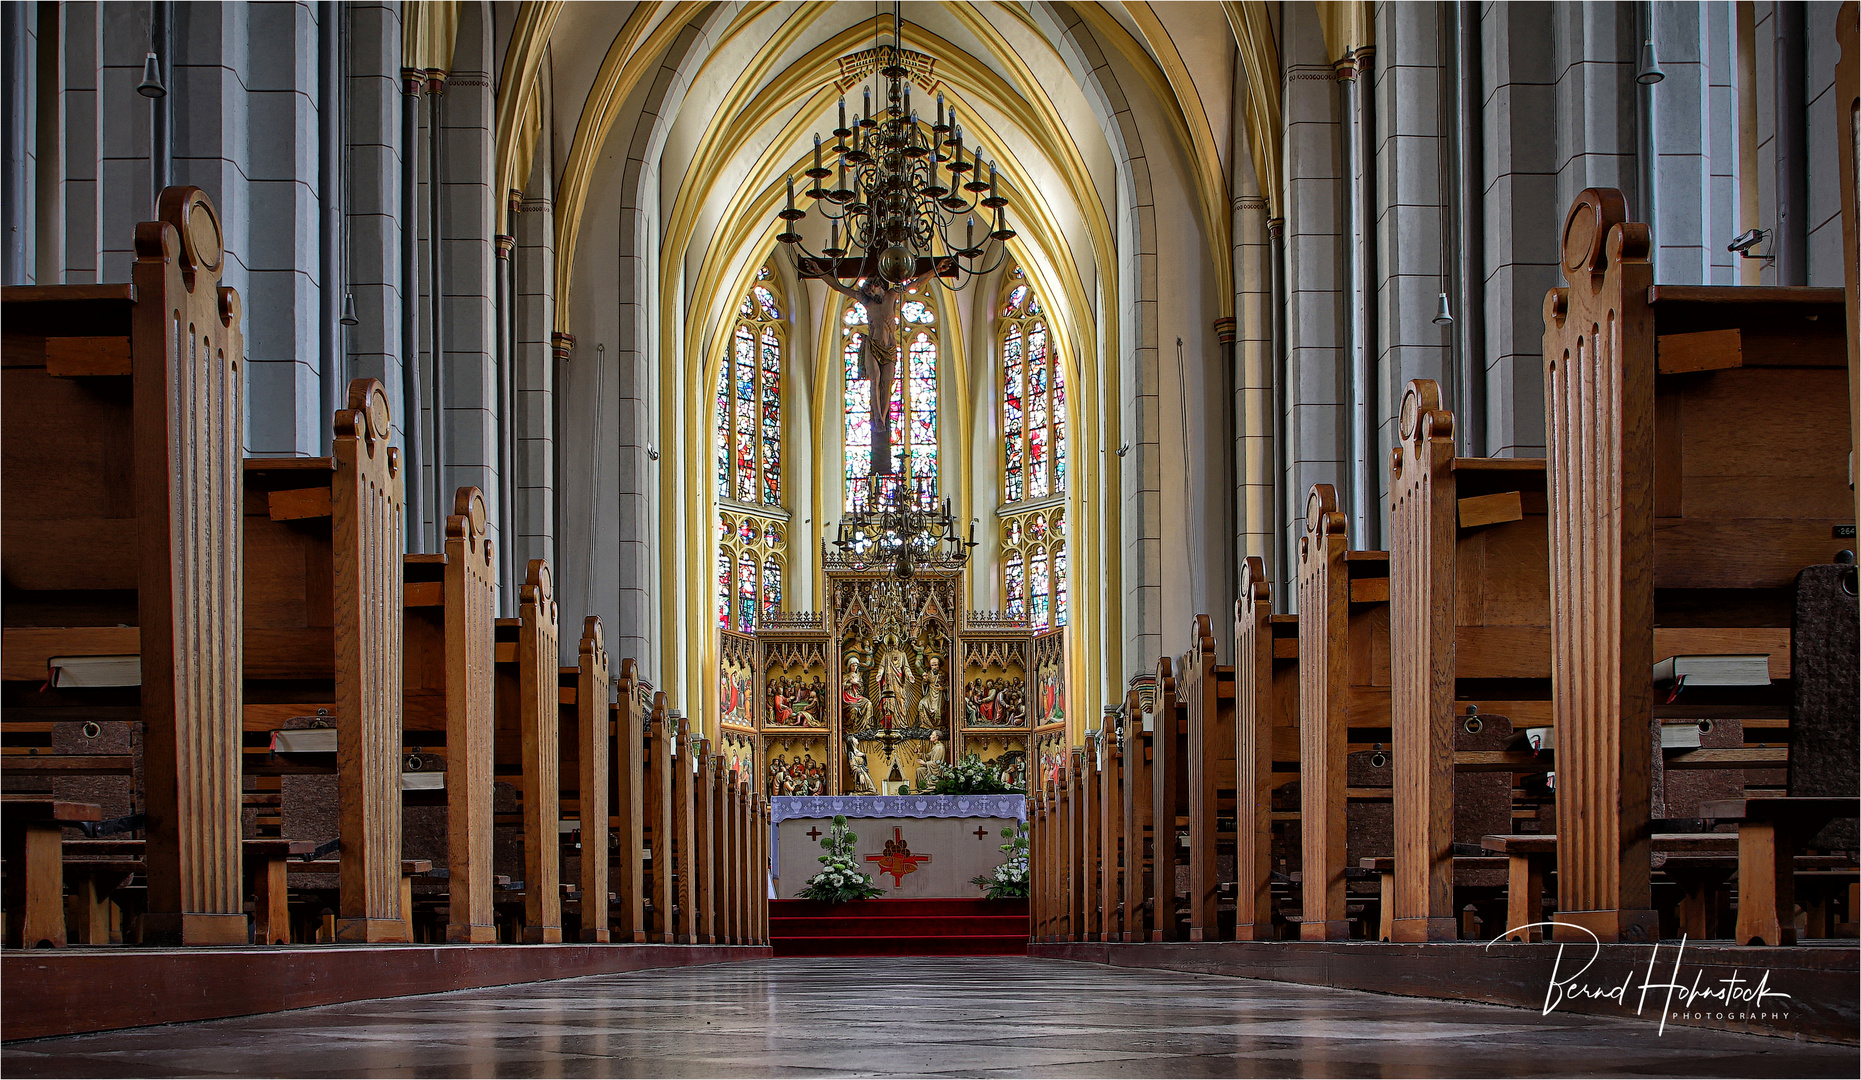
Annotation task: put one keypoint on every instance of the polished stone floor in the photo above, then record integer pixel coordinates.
(918, 1017)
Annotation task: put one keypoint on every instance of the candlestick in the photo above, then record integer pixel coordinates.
(817, 151)
(842, 112)
(939, 108)
(791, 193)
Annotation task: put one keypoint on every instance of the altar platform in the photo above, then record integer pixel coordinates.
(915, 847)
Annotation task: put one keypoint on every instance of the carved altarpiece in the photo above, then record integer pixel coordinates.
(891, 681)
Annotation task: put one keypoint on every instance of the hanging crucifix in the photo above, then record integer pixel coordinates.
(879, 349)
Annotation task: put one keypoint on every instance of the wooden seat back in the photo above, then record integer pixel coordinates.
(1207, 691)
(1469, 623)
(1079, 841)
(683, 861)
(627, 805)
(659, 820)
(527, 747)
(582, 712)
(1656, 523)
(323, 633)
(1139, 836)
(1169, 804)
(450, 692)
(1343, 703)
(1266, 744)
(123, 426)
(1111, 834)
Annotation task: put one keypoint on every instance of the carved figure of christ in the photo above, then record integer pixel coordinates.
(879, 353)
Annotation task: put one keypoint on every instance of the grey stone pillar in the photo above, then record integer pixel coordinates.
(1522, 216)
(1412, 215)
(82, 42)
(535, 369)
(1315, 424)
(375, 215)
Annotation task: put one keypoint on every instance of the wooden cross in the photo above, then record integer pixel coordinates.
(897, 859)
(814, 833)
(981, 833)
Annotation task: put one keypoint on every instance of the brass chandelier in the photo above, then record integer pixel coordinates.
(899, 530)
(898, 192)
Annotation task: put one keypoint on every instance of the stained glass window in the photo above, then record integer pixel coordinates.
(912, 412)
(750, 456)
(1033, 457)
(1033, 397)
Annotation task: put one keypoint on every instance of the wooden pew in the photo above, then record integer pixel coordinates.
(322, 635)
(1343, 699)
(1078, 819)
(659, 818)
(31, 829)
(1111, 833)
(1847, 108)
(1091, 841)
(1469, 610)
(1139, 836)
(730, 847)
(1656, 521)
(583, 713)
(527, 747)
(1266, 742)
(450, 692)
(760, 872)
(1169, 804)
(710, 872)
(627, 799)
(122, 428)
(1207, 693)
(683, 862)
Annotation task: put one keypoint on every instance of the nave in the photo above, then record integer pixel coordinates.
(956, 1016)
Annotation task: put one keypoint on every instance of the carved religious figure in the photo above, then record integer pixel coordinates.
(930, 702)
(893, 678)
(856, 761)
(879, 352)
(855, 706)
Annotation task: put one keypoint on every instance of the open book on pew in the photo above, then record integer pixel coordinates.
(96, 670)
(1734, 669)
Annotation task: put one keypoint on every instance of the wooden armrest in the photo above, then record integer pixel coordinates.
(1798, 809)
(70, 764)
(1521, 844)
(41, 808)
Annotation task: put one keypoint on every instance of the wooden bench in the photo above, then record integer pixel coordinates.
(1469, 615)
(528, 745)
(582, 713)
(89, 864)
(322, 636)
(1207, 693)
(707, 871)
(1266, 743)
(1531, 858)
(658, 819)
(1091, 844)
(626, 794)
(1769, 832)
(1140, 838)
(1169, 805)
(121, 441)
(31, 832)
(1110, 898)
(1344, 687)
(449, 691)
(1665, 538)
(681, 845)
(731, 847)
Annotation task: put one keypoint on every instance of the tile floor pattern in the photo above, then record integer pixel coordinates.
(943, 1016)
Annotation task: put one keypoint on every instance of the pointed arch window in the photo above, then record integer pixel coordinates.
(913, 411)
(1033, 458)
(752, 546)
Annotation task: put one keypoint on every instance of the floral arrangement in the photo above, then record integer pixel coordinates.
(1009, 880)
(971, 776)
(840, 878)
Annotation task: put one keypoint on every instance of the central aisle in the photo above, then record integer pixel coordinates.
(974, 1016)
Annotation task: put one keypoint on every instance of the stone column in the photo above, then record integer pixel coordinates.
(535, 229)
(375, 216)
(82, 42)
(1316, 421)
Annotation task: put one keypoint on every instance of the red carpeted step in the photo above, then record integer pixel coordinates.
(887, 927)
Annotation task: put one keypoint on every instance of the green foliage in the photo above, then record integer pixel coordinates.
(1009, 880)
(840, 878)
(972, 776)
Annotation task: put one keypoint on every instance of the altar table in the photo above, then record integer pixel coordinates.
(938, 842)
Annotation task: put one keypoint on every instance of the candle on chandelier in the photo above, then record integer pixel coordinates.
(867, 111)
(842, 112)
(791, 192)
(969, 239)
(939, 108)
(817, 151)
(833, 233)
(991, 179)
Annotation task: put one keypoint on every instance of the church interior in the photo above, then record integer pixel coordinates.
(1227, 522)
